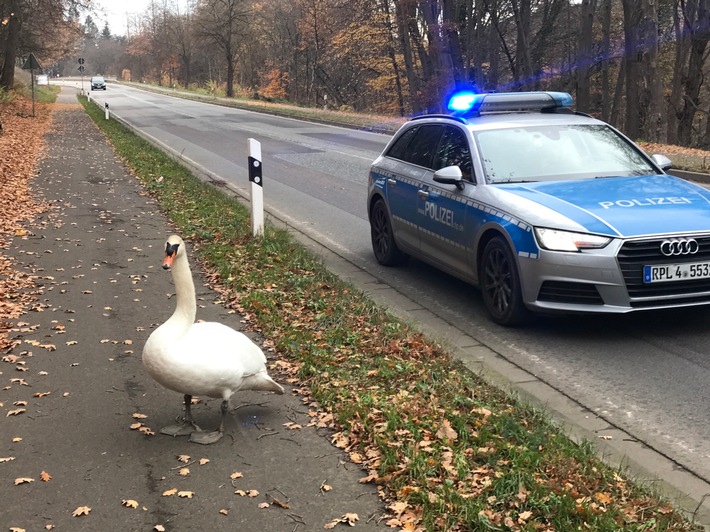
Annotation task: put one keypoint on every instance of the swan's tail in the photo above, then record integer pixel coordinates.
(263, 383)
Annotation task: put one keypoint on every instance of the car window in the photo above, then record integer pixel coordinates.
(557, 152)
(421, 149)
(454, 150)
(400, 145)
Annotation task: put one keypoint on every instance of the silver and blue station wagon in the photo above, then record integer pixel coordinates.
(543, 208)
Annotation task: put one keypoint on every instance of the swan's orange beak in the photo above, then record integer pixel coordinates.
(168, 261)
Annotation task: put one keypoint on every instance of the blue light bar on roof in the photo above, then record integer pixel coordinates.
(467, 102)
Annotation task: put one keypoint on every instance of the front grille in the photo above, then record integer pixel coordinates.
(566, 292)
(634, 255)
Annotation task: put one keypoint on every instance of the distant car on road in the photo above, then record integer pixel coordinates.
(42, 80)
(98, 83)
(543, 208)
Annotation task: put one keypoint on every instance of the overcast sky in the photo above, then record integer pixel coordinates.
(116, 13)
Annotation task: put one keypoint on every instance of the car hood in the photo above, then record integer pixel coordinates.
(623, 206)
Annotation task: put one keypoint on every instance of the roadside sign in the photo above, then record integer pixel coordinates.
(81, 60)
(31, 63)
(81, 68)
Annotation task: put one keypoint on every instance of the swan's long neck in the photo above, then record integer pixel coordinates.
(186, 306)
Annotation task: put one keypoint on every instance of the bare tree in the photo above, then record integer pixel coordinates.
(223, 24)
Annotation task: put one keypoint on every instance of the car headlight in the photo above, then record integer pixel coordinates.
(556, 240)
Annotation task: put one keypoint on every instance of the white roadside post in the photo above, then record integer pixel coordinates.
(106, 110)
(257, 190)
(88, 96)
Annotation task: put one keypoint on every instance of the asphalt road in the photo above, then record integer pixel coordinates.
(644, 374)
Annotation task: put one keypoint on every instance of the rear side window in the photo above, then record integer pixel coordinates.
(417, 145)
(400, 145)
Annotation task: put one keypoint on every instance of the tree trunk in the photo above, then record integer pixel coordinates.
(606, 52)
(632, 61)
(585, 54)
(7, 78)
(700, 33)
(654, 124)
(523, 59)
(680, 65)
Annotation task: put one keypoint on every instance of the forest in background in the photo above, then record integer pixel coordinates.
(638, 64)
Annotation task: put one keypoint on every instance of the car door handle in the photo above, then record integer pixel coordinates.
(392, 182)
(423, 194)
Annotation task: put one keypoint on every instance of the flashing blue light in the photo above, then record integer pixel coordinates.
(462, 102)
(467, 102)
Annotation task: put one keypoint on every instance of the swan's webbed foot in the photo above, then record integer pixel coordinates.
(180, 430)
(188, 425)
(206, 438)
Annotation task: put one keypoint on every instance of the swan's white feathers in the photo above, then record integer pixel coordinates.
(206, 358)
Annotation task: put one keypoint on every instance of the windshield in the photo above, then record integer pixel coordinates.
(558, 152)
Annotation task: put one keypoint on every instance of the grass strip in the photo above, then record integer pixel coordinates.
(448, 451)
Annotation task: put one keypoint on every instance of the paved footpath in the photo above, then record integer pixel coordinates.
(69, 391)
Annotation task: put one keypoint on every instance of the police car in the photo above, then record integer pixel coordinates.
(543, 208)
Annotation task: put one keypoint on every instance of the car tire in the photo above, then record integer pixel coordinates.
(383, 245)
(500, 284)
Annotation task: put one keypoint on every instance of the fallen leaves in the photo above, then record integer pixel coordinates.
(129, 503)
(45, 477)
(348, 519)
(81, 510)
(23, 480)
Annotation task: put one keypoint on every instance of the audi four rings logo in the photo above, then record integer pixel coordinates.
(679, 246)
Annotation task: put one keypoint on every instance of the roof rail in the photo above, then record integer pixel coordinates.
(440, 115)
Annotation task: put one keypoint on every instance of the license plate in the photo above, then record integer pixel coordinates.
(661, 273)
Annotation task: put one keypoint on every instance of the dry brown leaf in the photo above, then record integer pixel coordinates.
(183, 458)
(168, 493)
(81, 510)
(184, 471)
(236, 475)
(252, 493)
(7, 459)
(137, 415)
(129, 503)
(263, 505)
(224, 511)
(446, 431)
(159, 528)
(45, 477)
(204, 461)
(16, 412)
(23, 480)
(186, 494)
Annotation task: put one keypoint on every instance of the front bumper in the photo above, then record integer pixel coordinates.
(610, 280)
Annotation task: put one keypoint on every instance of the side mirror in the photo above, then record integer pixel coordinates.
(662, 161)
(450, 175)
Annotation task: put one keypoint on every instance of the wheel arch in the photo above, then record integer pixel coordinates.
(375, 197)
(485, 236)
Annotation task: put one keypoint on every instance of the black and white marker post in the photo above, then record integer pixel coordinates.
(257, 190)
(106, 110)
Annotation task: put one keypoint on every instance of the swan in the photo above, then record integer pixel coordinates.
(206, 358)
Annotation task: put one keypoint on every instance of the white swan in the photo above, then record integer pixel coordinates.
(201, 358)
